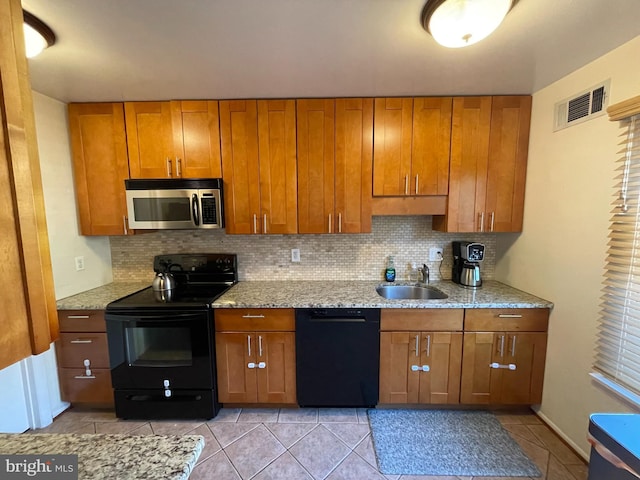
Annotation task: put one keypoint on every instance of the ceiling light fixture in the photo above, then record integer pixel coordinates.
(459, 23)
(37, 35)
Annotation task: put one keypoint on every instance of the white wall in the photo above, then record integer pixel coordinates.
(561, 253)
(60, 204)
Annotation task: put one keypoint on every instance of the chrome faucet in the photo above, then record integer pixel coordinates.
(424, 271)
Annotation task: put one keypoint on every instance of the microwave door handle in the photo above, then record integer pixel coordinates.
(195, 209)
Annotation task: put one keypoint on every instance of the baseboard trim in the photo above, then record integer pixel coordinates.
(584, 455)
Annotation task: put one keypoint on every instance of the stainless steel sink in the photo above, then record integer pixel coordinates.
(410, 292)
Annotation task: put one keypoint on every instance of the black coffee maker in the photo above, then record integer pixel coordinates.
(466, 266)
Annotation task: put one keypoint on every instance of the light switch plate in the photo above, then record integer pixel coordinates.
(295, 254)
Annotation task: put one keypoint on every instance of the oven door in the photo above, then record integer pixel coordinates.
(161, 349)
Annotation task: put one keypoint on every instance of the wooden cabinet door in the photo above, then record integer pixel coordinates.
(393, 125)
(236, 381)
(523, 385)
(100, 167)
(442, 353)
(240, 166)
(277, 376)
(469, 162)
(316, 174)
(508, 150)
(477, 380)
(430, 146)
(399, 351)
(353, 164)
(277, 158)
(196, 139)
(149, 139)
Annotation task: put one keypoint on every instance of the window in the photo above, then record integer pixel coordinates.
(618, 342)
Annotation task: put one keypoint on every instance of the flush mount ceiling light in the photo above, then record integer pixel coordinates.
(37, 35)
(459, 23)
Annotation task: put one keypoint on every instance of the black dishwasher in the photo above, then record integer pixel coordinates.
(337, 357)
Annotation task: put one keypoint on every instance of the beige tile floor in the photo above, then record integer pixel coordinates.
(310, 444)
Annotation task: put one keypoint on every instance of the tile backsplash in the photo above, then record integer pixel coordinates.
(323, 257)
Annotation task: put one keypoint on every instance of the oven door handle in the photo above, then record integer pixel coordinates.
(142, 318)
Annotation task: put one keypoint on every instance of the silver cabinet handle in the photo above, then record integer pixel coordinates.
(513, 346)
(339, 222)
(509, 315)
(482, 222)
(84, 377)
(252, 316)
(81, 341)
(179, 167)
(124, 224)
(264, 223)
(493, 216)
(501, 346)
(406, 184)
(77, 316)
(169, 172)
(255, 223)
(417, 189)
(260, 345)
(249, 345)
(417, 345)
(428, 345)
(329, 223)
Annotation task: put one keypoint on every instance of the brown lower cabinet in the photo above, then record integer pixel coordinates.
(83, 357)
(420, 366)
(504, 356)
(492, 357)
(255, 355)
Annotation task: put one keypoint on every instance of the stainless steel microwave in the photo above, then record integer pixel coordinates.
(166, 203)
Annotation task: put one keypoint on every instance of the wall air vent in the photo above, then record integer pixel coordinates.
(581, 107)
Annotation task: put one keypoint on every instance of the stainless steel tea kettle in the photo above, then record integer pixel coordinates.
(164, 282)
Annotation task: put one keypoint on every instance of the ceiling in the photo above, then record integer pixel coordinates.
(212, 49)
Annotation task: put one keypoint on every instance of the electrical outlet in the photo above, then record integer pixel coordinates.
(79, 263)
(435, 254)
(295, 254)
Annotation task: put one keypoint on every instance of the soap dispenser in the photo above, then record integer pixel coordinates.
(390, 272)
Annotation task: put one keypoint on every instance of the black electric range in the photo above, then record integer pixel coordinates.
(162, 347)
(200, 279)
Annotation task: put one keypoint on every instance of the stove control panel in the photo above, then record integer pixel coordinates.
(212, 267)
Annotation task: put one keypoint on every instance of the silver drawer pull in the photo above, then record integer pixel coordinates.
(81, 341)
(84, 377)
(253, 316)
(78, 316)
(509, 315)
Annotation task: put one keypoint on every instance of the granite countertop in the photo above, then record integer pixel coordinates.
(362, 294)
(98, 298)
(325, 294)
(110, 456)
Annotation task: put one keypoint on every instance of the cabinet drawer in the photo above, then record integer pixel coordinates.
(76, 387)
(262, 319)
(409, 320)
(506, 319)
(74, 348)
(81, 320)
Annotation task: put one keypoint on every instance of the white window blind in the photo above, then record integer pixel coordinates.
(618, 343)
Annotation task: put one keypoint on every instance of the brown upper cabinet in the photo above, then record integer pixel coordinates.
(99, 151)
(177, 139)
(335, 139)
(489, 142)
(259, 158)
(411, 149)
